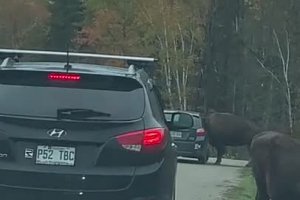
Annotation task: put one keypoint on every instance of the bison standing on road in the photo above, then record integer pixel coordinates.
(276, 166)
(226, 129)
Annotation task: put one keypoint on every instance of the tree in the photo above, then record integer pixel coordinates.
(176, 28)
(223, 56)
(67, 17)
(274, 51)
(22, 23)
(168, 30)
(251, 60)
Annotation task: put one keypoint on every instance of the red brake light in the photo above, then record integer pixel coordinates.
(201, 132)
(153, 136)
(64, 77)
(146, 140)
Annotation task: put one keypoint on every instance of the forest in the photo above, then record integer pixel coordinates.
(237, 56)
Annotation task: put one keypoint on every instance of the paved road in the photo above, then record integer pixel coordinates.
(206, 182)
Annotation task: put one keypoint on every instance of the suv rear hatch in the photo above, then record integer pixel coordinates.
(184, 126)
(62, 128)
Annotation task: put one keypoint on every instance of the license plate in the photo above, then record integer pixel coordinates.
(176, 134)
(54, 155)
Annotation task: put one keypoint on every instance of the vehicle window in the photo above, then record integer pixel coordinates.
(182, 120)
(197, 122)
(39, 97)
(168, 117)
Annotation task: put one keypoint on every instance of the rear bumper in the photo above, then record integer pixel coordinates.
(191, 149)
(146, 181)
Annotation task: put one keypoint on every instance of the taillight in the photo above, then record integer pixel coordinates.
(201, 132)
(148, 140)
(131, 141)
(64, 77)
(154, 137)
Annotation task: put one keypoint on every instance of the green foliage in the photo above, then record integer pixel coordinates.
(23, 22)
(168, 30)
(244, 70)
(208, 50)
(245, 190)
(66, 20)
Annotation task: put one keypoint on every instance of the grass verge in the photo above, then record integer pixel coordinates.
(245, 190)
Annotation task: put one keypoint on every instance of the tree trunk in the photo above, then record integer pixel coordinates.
(234, 97)
(178, 89)
(269, 104)
(290, 111)
(285, 71)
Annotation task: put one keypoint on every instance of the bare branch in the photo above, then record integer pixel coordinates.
(150, 21)
(182, 38)
(186, 75)
(175, 44)
(192, 43)
(178, 87)
(288, 52)
(280, 50)
(267, 70)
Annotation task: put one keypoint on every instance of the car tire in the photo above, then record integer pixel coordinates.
(202, 160)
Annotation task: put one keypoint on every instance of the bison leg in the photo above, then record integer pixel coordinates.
(261, 193)
(261, 185)
(221, 151)
(249, 164)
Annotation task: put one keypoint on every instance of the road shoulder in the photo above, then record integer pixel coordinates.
(207, 182)
(245, 189)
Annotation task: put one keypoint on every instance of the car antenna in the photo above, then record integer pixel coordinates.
(68, 66)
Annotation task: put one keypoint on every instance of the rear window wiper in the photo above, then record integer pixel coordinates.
(79, 113)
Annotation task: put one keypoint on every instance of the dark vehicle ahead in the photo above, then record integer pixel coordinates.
(80, 131)
(188, 133)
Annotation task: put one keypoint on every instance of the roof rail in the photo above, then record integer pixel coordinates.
(14, 52)
(7, 62)
(131, 69)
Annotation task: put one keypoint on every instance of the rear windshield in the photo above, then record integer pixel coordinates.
(25, 93)
(176, 119)
(179, 120)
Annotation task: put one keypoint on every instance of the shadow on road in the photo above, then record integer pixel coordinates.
(225, 163)
(187, 161)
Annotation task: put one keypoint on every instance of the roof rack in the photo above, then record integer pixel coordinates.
(14, 52)
(10, 56)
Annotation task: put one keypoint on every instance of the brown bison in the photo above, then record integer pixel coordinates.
(226, 129)
(276, 166)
